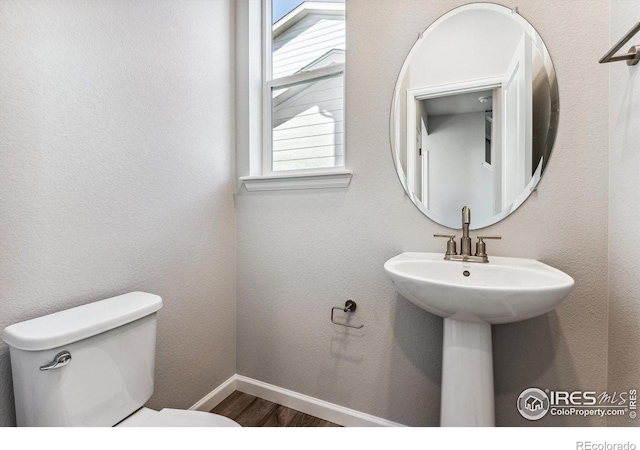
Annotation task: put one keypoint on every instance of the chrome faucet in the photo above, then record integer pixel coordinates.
(465, 243)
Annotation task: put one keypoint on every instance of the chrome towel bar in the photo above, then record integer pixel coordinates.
(633, 55)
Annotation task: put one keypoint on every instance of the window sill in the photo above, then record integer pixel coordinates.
(319, 180)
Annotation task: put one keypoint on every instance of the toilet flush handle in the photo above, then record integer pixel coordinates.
(60, 360)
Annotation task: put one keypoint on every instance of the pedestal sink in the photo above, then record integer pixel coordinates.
(471, 297)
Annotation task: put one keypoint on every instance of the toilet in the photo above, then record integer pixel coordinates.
(93, 365)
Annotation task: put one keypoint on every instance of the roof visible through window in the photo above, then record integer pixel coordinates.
(280, 8)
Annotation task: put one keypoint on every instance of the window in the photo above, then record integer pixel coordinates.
(303, 74)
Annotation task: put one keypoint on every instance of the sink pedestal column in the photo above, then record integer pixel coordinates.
(467, 375)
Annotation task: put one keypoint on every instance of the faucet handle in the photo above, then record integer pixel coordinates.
(451, 244)
(481, 247)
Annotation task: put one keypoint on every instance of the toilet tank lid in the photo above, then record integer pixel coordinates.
(81, 322)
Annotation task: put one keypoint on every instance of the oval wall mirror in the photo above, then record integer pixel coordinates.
(474, 115)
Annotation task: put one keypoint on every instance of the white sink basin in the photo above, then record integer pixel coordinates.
(471, 297)
(502, 291)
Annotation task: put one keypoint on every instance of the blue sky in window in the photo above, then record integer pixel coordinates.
(280, 8)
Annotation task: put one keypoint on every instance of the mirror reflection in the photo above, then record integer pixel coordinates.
(474, 115)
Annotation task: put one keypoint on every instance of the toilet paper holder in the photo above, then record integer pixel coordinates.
(349, 307)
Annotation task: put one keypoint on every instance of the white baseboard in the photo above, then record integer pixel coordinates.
(213, 398)
(300, 402)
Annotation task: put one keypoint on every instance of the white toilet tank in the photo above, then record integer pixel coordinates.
(109, 374)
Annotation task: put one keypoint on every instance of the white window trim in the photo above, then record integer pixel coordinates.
(318, 180)
(308, 75)
(254, 167)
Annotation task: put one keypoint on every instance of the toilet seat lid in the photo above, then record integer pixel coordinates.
(169, 417)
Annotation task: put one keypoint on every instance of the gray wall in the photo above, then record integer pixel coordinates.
(117, 174)
(624, 215)
(302, 252)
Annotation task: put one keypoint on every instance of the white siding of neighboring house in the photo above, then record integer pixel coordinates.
(308, 127)
(306, 41)
(308, 118)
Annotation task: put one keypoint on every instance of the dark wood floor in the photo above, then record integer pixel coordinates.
(250, 411)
